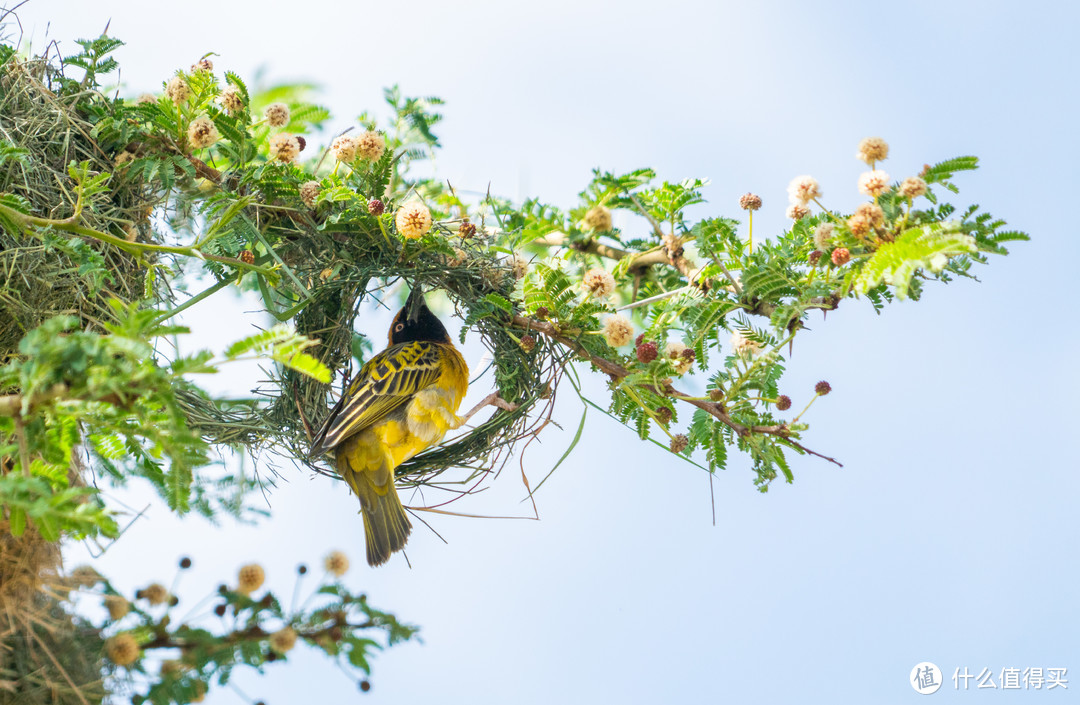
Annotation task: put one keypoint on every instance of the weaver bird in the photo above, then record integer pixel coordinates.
(402, 401)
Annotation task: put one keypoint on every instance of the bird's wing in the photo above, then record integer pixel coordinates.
(384, 384)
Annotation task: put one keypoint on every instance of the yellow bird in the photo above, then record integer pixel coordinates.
(402, 401)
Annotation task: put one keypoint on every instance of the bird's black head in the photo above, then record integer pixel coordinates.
(415, 321)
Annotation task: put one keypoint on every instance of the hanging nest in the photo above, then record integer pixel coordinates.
(47, 654)
(44, 131)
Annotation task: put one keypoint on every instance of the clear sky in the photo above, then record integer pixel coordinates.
(949, 535)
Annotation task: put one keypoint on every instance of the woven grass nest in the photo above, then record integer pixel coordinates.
(40, 278)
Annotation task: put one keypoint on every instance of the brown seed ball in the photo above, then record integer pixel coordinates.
(528, 343)
(122, 649)
(841, 256)
(247, 256)
(783, 403)
(542, 313)
(118, 606)
(219, 610)
(814, 256)
(679, 443)
(301, 569)
(716, 394)
(250, 578)
(466, 229)
(85, 576)
(598, 218)
(750, 202)
(365, 686)
(663, 415)
(282, 641)
(174, 601)
(185, 563)
(822, 388)
(336, 563)
(309, 191)
(301, 141)
(376, 207)
(156, 594)
(647, 352)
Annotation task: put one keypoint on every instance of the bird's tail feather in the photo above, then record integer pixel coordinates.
(386, 525)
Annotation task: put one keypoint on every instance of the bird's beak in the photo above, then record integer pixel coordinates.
(414, 303)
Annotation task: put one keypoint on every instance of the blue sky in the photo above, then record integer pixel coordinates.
(949, 535)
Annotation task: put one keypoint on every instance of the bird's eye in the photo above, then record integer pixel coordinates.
(399, 327)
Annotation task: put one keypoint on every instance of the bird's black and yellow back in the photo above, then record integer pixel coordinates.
(402, 401)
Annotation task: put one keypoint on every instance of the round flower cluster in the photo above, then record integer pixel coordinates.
(202, 132)
(231, 99)
(413, 220)
(823, 234)
(743, 346)
(797, 212)
(344, 148)
(803, 189)
(873, 183)
(681, 356)
(520, 266)
(872, 149)
(284, 147)
(750, 202)
(618, 331)
(177, 90)
(370, 145)
(277, 114)
(599, 283)
(912, 187)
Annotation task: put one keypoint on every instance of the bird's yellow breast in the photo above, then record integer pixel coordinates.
(424, 421)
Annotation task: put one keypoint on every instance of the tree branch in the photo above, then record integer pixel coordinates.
(714, 409)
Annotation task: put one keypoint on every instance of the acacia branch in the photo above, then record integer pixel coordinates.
(617, 371)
